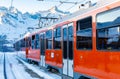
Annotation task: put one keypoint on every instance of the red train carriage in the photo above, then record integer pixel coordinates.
(85, 44)
(53, 48)
(34, 51)
(27, 45)
(59, 48)
(92, 32)
(97, 43)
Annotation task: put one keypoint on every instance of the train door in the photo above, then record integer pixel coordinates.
(42, 49)
(68, 50)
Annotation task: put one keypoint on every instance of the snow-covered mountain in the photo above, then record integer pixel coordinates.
(14, 24)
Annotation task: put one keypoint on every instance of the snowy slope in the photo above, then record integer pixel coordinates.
(14, 24)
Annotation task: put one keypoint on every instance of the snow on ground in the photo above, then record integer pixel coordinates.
(16, 68)
(41, 72)
(1, 65)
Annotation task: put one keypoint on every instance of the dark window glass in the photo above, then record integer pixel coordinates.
(58, 32)
(57, 38)
(27, 42)
(17, 45)
(49, 39)
(84, 24)
(65, 43)
(42, 44)
(84, 33)
(33, 42)
(37, 40)
(30, 41)
(70, 37)
(22, 43)
(108, 30)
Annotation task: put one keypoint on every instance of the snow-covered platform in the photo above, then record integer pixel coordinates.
(16, 68)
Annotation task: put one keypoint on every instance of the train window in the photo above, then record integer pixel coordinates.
(84, 23)
(84, 33)
(49, 39)
(33, 42)
(70, 36)
(57, 38)
(27, 42)
(65, 43)
(108, 30)
(42, 44)
(22, 43)
(17, 45)
(37, 40)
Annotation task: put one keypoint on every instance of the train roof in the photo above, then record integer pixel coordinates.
(75, 16)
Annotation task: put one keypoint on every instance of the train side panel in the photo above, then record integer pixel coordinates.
(34, 54)
(94, 62)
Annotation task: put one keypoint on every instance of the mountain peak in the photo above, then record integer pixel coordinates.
(15, 24)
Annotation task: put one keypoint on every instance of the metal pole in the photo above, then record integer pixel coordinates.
(11, 3)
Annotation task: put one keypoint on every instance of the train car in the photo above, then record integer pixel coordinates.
(20, 47)
(36, 50)
(82, 45)
(86, 44)
(58, 42)
(33, 50)
(97, 42)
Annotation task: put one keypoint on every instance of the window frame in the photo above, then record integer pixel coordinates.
(37, 39)
(83, 49)
(55, 35)
(47, 39)
(33, 40)
(106, 27)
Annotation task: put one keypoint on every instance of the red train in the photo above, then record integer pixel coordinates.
(85, 44)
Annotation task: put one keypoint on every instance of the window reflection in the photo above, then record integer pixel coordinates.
(42, 44)
(57, 38)
(49, 39)
(22, 43)
(70, 41)
(65, 43)
(84, 33)
(37, 45)
(33, 42)
(108, 30)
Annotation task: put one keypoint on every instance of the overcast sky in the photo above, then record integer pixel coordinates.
(33, 6)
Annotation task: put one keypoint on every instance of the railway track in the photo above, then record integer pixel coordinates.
(7, 66)
(1, 65)
(4, 67)
(16, 70)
